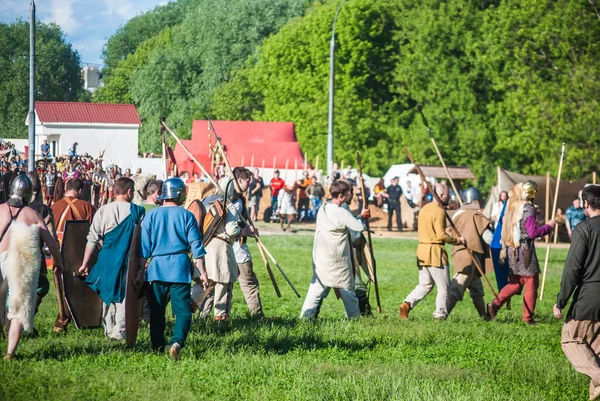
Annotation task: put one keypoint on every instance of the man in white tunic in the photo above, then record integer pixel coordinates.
(332, 266)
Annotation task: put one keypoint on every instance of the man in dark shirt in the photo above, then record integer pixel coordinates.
(394, 192)
(581, 278)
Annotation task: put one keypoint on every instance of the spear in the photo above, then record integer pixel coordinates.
(439, 201)
(437, 150)
(372, 266)
(560, 166)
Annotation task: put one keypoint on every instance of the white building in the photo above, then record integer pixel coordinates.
(96, 127)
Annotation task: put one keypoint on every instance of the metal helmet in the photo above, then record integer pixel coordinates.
(471, 195)
(529, 190)
(173, 188)
(21, 188)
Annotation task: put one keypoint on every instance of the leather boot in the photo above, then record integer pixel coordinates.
(479, 304)
(404, 310)
(451, 303)
(363, 303)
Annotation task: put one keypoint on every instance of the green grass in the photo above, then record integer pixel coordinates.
(282, 358)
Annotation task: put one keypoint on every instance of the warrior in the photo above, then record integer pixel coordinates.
(49, 184)
(476, 229)
(247, 278)
(359, 260)
(37, 204)
(432, 259)
(332, 264)
(152, 191)
(519, 231)
(169, 234)
(113, 226)
(220, 258)
(581, 280)
(22, 229)
(70, 207)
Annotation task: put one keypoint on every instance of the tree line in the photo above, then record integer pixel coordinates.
(501, 82)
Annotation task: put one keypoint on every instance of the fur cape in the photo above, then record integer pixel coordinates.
(21, 270)
(511, 225)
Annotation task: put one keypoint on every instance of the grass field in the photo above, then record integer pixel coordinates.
(282, 358)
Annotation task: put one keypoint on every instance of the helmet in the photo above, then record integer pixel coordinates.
(173, 188)
(21, 188)
(529, 190)
(471, 195)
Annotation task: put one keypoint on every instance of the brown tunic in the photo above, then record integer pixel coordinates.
(433, 236)
(471, 224)
(63, 211)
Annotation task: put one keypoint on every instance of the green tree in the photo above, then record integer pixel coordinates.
(502, 83)
(288, 81)
(216, 37)
(141, 28)
(58, 72)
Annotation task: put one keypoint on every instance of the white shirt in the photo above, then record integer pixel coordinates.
(331, 249)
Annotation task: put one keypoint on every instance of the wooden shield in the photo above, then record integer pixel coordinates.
(83, 303)
(133, 307)
(199, 211)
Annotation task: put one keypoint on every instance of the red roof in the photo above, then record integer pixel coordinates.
(99, 113)
(271, 141)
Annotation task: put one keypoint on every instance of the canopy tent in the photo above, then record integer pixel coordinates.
(274, 143)
(569, 190)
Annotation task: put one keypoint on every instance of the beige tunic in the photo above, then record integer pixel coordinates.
(331, 250)
(221, 265)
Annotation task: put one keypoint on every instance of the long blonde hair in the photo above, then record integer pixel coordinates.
(512, 216)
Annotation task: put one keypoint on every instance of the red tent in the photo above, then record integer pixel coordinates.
(242, 140)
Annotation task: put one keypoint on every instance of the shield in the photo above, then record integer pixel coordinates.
(199, 211)
(133, 305)
(59, 189)
(84, 304)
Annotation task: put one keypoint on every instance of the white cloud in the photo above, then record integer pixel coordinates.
(61, 12)
(121, 8)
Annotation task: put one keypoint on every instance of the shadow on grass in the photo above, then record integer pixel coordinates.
(274, 336)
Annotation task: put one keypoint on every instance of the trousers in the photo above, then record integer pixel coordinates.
(317, 292)
(514, 286)
(580, 342)
(428, 277)
(220, 297)
(180, 304)
(250, 288)
(394, 207)
(113, 317)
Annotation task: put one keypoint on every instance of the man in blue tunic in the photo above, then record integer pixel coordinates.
(112, 230)
(169, 233)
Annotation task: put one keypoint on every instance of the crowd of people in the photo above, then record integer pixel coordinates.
(54, 172)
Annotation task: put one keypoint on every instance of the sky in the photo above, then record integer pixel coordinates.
(87, 24)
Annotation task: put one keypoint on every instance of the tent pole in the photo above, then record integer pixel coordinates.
(499, 173)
